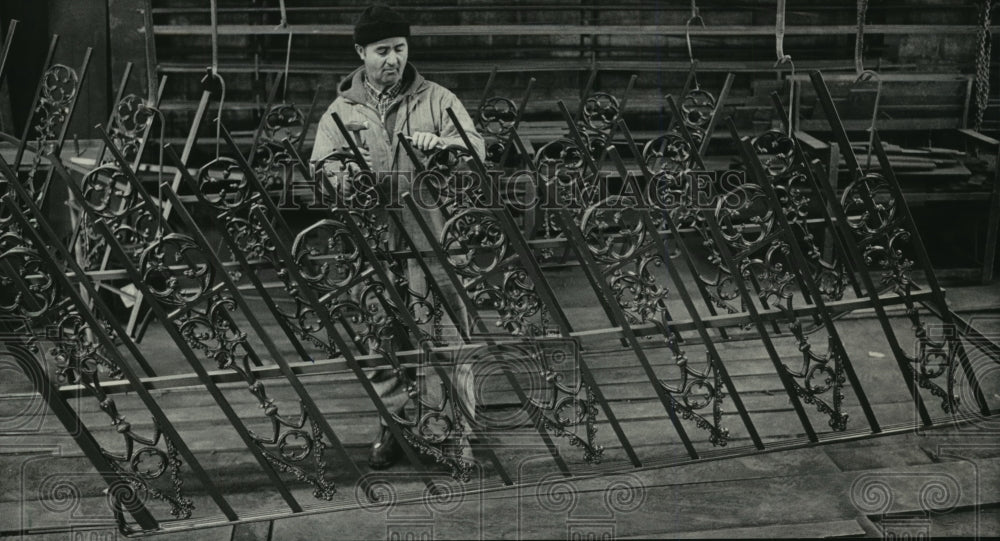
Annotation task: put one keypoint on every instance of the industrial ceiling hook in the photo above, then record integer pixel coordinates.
(779, 34)
(159, 172)
(218, 120)
(687, 34)
(214, 72)
(288, 63)
(288, 48)
(859, 42)
(695, 16)
(786, 59)
(215, 37)
(149, 54)
(868, 75)
(779, 47)
(284, 14)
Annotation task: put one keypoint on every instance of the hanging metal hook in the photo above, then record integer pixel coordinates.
(687, 36)
(787, 59)
(215, 83)
(215, 37)
(687, 33)
(284, 14)
(865, 76)
(288, 65)
(695, 16)
(779, 33)
(159, 174)
(859, 42)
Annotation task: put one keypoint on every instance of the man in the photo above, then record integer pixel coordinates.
(383, 97)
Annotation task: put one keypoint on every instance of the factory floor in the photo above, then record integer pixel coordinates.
(943, 481)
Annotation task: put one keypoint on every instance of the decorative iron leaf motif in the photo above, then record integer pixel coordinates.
(878, 226)
(479, 252)
(283, 121)
(600, 111)
(495, 120)
(58, 92)
(108, 194)
(561, 170)
(186, 285)
(749, 226)
(697, 108)
(149, 464)
(619, 241)
(271, 162)
(672, 190)
(497, 117)
(130, 122)
(669, 152)
(377, 329)
(60, 84)
(331, 263)
(786, 170)
(222, 185)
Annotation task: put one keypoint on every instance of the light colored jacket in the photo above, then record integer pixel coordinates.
(422, 107)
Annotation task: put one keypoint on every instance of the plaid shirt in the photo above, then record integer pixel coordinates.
(381, 101)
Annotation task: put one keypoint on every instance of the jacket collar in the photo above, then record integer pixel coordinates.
(352, 88)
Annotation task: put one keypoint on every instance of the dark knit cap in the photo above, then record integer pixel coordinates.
(379, 22)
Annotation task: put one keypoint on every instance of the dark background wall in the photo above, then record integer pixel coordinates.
(80, 24)
(25, 67)
(113, 29)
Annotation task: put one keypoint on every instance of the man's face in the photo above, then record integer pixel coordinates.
(384, 60)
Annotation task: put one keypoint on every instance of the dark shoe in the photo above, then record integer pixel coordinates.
(385, 450)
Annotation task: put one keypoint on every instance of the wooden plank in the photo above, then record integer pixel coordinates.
(887, 77)
(979, 137)
(811, 142)
(886, 124)
(836, 528)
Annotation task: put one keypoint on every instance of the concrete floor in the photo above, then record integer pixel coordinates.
(943, 481)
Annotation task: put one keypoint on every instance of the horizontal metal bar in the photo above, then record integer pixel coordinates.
(527, 66)
(556, 29)
(657, 6)
(321, 366)
(732, 320)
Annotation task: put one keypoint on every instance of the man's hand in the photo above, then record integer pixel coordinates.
(332, 170)
(425, 141)
(331, 165)
(338, 175)
(353, 167)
